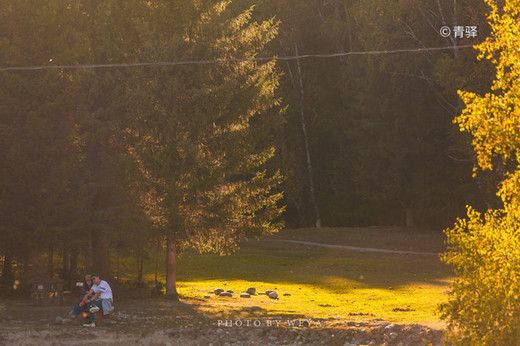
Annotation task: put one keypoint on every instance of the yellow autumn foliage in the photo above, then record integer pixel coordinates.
(484, 303)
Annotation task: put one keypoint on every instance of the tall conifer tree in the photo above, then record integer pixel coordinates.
(201, 134)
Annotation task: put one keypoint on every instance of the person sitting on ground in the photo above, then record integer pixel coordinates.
(80, 307)
(101, 299)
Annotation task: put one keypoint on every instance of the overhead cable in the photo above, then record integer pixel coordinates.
(218, 61)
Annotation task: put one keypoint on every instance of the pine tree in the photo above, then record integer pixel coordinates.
(38, 139)
(202, 134)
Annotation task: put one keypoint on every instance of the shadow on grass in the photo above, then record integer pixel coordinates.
(321, 267)
(323, 282)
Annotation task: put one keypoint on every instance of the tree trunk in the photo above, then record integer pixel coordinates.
(312, 190)
(50, 263)
(157, 264)
(410, 220)
(291, 199)
(7, 278)
(74, 264)
(89, 254)
(36, 267)
(101, 258)
(171, 268)
(66, 264)
(117, 269)
(140, 261)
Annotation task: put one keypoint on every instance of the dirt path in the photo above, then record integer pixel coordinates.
(160, 322)
(55, 335)
(137, 332)
(354, 248)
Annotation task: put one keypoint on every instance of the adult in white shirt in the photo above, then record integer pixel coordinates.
(101, 299)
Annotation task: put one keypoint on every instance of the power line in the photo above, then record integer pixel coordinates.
(218, 61)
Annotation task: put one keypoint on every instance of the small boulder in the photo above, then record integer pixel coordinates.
(268, 291)
(225, 294)
(273, 295)
(287, 294)
(245, 295)
(218, 291)
(251, 290)
(230, 291)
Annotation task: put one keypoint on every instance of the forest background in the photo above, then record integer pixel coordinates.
(360, 140)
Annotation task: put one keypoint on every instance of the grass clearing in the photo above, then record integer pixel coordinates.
(323, 283)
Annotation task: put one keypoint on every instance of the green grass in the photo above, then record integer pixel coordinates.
(322, 282)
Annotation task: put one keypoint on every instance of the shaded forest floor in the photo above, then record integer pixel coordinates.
(161, 322)
(332, 296)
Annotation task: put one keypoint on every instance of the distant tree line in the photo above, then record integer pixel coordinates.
(383, 148)
(131, 160)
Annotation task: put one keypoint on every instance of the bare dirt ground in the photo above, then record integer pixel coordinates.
(163, 322)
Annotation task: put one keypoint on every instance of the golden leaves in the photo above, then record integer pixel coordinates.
(485, 252)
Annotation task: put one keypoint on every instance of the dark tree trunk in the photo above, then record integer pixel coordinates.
(66, 264)
(171, 268)
(410, 220)
(117, 269)
(157, 264)
(50, 263)
(36, 267)
(101, 258)
(89, 254)
(74, 264)
(140, 261)
(7, 278)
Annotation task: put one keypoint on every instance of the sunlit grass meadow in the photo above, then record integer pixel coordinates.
(323, 283)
